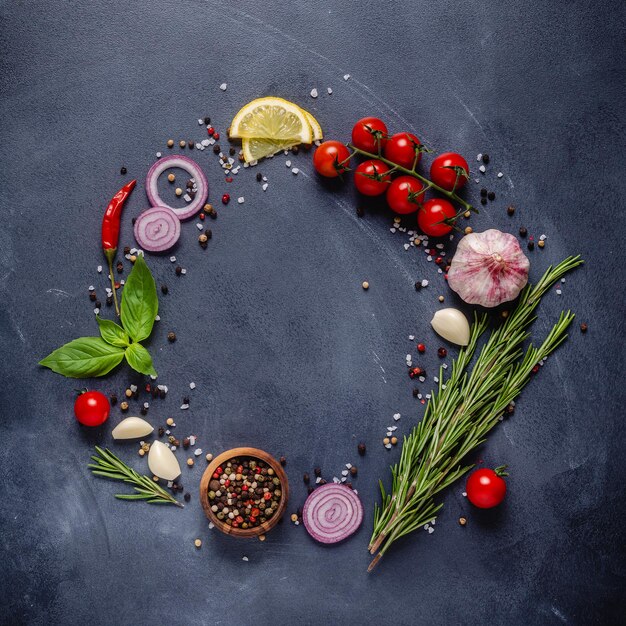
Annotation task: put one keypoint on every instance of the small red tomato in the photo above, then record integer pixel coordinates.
(368, 133)
(371, 177)
(331, 159)
(405, 195)
(430, 218)
(485, 488)
(450, 171)
(403, 149)
(92, 408)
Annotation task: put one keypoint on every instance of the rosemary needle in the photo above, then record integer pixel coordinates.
(462, 411)
(108, 465)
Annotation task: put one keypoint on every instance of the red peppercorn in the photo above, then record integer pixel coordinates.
(535, 369)
(244, 488)
(239, 519)
(432, 252)
(229, 179)
(438, 260)
(219, 470)
(226, 483)
(255, 512)
(225, 198)
(202, 216)
(442, 352)
(210, 130)
(252, 519)
(216, 475)
(421, 348)
(235, 524)
(216, 136)
(239, 469)
(267, 496)
(416, 371)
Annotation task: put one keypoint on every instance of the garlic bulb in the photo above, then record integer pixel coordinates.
(488, 268)
(131, 428)
(162, 462)
(452, 325)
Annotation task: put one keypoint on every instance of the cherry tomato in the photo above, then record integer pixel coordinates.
(485, 488)
(92, 408)
(365, 134)
(444, 170)
(430, 218)
(401, 148)
(405, 195)
(328, 158)
(371, 177)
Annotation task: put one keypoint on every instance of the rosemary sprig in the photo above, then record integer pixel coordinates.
(109, 466)
(461, 413)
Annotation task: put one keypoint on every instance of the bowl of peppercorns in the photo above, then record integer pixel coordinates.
(244, 492)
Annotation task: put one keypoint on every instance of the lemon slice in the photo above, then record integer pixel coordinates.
(272, 118)
(259, 148)
(315, 126)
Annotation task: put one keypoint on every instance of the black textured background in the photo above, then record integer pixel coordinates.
(287, 351)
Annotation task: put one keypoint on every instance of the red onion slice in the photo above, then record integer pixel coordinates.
(193, 169)
(157, 229)
(332, 513)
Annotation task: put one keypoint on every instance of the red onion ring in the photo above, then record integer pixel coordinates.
(157, 229)
(193, 169)
(332, 513)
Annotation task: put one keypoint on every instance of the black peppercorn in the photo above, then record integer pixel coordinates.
(483, 201)
(123, 171)
(187, 496)
(186, 442)
(216, 148)
(354, 471)
(583, 328)
(510, 209)
(213, 214)
(531, 245)
(442, 352)
(491, 196)
(209, 233)
(162, 393)
(317, 471)
(92, 296)
(310, 490)
(523, 232)
(360, 211)
(113, 399)
(232, 151)
(485, 159)
(295, 150)
(179, 270)
(144, 411)
(109, 300)
(259, 176)
(207, 120)
(306, 478)
(120, 267)
(282, 461)
(418, 285)
(161, 431)
(415, 392)
(510, 409)
(164, 289)
(171, 337)
(361, 448)
(190, 144)
(483, 192)
(126, 249)
(98, 304)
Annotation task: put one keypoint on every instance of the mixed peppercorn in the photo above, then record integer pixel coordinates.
(244, 493)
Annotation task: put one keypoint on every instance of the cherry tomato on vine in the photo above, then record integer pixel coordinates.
(405, 195)
(402, 149)
(365, 133)
(329, 157)
(485, 488)
(92, 408)
(371, 177)
(430, 218)
(449, 168)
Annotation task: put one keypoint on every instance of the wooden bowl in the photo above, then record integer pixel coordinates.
(241, 453)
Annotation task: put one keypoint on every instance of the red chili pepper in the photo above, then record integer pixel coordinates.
(111, 230)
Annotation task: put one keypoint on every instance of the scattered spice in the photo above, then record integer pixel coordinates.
(468, 230)
(462, 521)
(198, 543)
(442, 353)
(523, 232)
(282, 461)
(491, 196)
(164, 289)
(365, 285)
(124, 406)
(583, 328)
(510, 209)
(171, 336)
(541, 243)
(123, 171)
(353, 470)
(361, 449)
(531, 245)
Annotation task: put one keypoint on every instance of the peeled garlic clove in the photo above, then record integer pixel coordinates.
(131, 428)
(452, 325)
(162, 462)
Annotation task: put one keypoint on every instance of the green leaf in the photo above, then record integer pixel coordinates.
(84, 357)
(139, 359)
(140, 304)
(113, 333)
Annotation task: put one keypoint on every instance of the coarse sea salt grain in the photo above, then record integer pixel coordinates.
(173, 259)
(294, 170)
(431, 531)
(192, 385)
(265, 186)
(197, 451)
(157, 318)
(199, 226)
(245, 558)
(411, 337)
(500, 174)
(183, 271)
(241, 200)
(388, 446)
(344, 472)
(424, 283)
(482, 169)
(287, 163)
(479, 156)
(99, 269)
(314, 93)
(396, 416)
(329, 90)
(346, 76)
(211, 525)
(223, 86)
(184, 407)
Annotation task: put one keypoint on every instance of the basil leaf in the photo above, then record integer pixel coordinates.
(140, 304)
(139, 359)
(113, 333)
(84, 357)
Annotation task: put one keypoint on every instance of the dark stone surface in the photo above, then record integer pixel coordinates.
(287, 351)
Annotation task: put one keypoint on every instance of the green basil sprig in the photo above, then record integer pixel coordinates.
(96, 356)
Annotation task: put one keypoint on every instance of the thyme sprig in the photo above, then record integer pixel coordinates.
(109, 466)
(462, 411)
